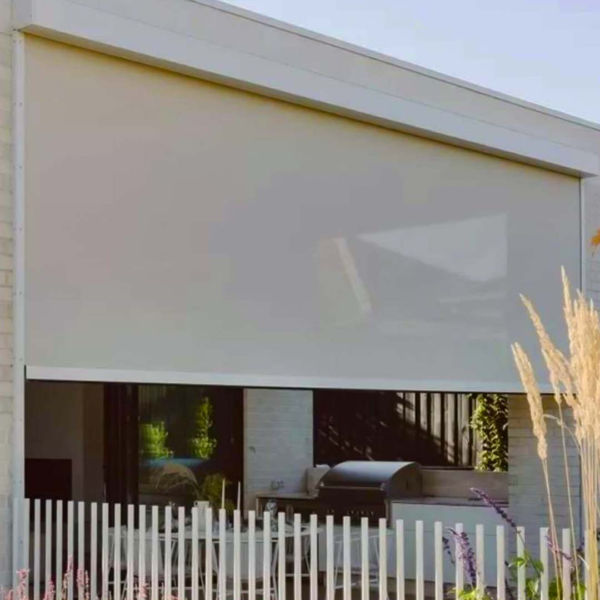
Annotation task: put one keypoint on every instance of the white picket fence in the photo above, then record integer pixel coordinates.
(161, 553)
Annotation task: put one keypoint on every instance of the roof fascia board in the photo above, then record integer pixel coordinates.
(140, 40)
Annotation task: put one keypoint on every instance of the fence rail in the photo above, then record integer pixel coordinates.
(132, 552)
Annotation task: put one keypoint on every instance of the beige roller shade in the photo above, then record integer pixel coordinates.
(179, 229)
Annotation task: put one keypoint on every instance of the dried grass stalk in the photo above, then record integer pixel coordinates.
(575, 380)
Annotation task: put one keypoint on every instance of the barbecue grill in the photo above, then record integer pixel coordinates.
(366, 488)
(359, 489)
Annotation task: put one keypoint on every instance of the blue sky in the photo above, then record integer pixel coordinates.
(544, 51)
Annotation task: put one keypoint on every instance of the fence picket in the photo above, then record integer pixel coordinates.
(70, 548)
(48, 544)
(80, 549)
(500, 563)
(329, 560)
(521, 569)
(281, 556)
(566, 564)
(544, 561)
(168, 552)
(314, 566)
(251, 555)
(222, 582)
(195, 543)
(297, 558)
(130, 551)
(438, 559)
(105, 558)
(460, 565)
(155, 555)
(364, 571)
(208, 571)
(141, 537)
(36, 548)
(346, 557)
(400, 583)
(480, 557)
(419, 575)
(181, 553)
(117, 552)
(383, 594)
(266, 556)
(236, 555)
(93, 551)
(26, 533)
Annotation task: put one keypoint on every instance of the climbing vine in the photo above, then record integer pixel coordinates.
(490, 422)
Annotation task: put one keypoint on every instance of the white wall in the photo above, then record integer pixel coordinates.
(64, 420)
(527, 490)
(278, 440)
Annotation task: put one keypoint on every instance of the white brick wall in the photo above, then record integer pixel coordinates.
(6, 253)
(278, 440)
(527, 489)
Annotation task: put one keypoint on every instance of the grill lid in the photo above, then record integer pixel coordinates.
(394, 479)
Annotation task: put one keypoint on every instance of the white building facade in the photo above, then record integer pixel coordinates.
(193, 194)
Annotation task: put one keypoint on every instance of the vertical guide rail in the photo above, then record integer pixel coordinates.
(364, 549)
(480, 558)
(346, 557)
(329, 557)
(155, 555)
(36, 548)
(93, 551)
(400, 587)
(439, 561)
(266, 556)
(500, 563)
(48, 549)
(420, 583)
(521, 569)
(105, 558)
(460, 565)
(383, 594)
(544, 561)
(566, 564)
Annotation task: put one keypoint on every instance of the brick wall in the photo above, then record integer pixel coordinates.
(5, 287)
(527, 490)
(278, 440)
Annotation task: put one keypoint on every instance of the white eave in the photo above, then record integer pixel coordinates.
(162, 33)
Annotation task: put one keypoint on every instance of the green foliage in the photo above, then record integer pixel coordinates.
(153, 441)
(212, 490)
(203, 445)
(490, 422)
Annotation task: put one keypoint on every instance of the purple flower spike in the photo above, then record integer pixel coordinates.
(501, 511)
(465, 554)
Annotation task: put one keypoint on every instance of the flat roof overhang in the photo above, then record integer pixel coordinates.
(144, 31)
